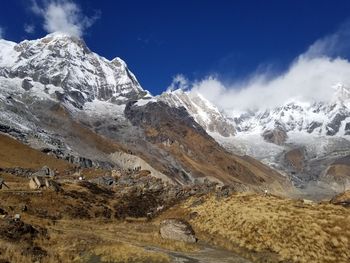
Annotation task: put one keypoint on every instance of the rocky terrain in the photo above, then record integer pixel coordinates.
(90, 215)
(131, 216)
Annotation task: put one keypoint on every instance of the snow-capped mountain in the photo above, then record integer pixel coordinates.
(319, 118)
(316, 134)
(205, 114)
(50, 85)
(68, 70)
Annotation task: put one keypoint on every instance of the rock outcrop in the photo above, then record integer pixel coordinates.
(178, 230)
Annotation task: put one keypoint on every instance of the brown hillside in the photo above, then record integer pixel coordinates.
(15, 154)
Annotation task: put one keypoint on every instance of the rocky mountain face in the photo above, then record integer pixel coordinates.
(178, 135)
(59, 97)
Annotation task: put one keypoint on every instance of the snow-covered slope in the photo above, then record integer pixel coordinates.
(66, 67)
(204, 113)
(318, 118)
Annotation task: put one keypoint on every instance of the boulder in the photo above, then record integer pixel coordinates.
(106, 181)
(37, 182)
(26, 84)
(177, 229)
(45, 171)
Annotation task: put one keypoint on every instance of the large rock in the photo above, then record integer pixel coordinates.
(44, 172)
(177, 229)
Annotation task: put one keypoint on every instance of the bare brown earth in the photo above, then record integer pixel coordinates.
(15, 154)
(207, 158)
(77, 132)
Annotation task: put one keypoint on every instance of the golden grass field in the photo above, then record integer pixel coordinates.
(291, 229)
(79, 240)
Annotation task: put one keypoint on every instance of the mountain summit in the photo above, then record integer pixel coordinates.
(68, 69)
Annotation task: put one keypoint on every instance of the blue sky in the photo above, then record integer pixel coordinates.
(160, 39)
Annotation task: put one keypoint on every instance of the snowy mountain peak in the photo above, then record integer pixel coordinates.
(318, 118)
(73, 72)
(203, 112)
(341, 94)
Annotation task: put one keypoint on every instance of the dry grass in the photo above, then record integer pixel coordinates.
(10, 251)
(113, 241)
(293, 230)
(16, 154)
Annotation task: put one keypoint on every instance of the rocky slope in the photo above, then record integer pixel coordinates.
(61, 98)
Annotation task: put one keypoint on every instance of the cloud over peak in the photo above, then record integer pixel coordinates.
(309, 78)
(63, 16)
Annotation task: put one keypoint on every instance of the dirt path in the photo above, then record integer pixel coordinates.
(206, 254)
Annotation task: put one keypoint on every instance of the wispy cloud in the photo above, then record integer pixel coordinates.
(29, 28)
(179, 82)
(63, 16)
(309, 78)
(333, 45)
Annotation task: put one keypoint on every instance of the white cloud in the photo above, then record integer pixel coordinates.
(63, 16)
(309, 78)
(1, 33)
(29, 29)
(179, 82)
